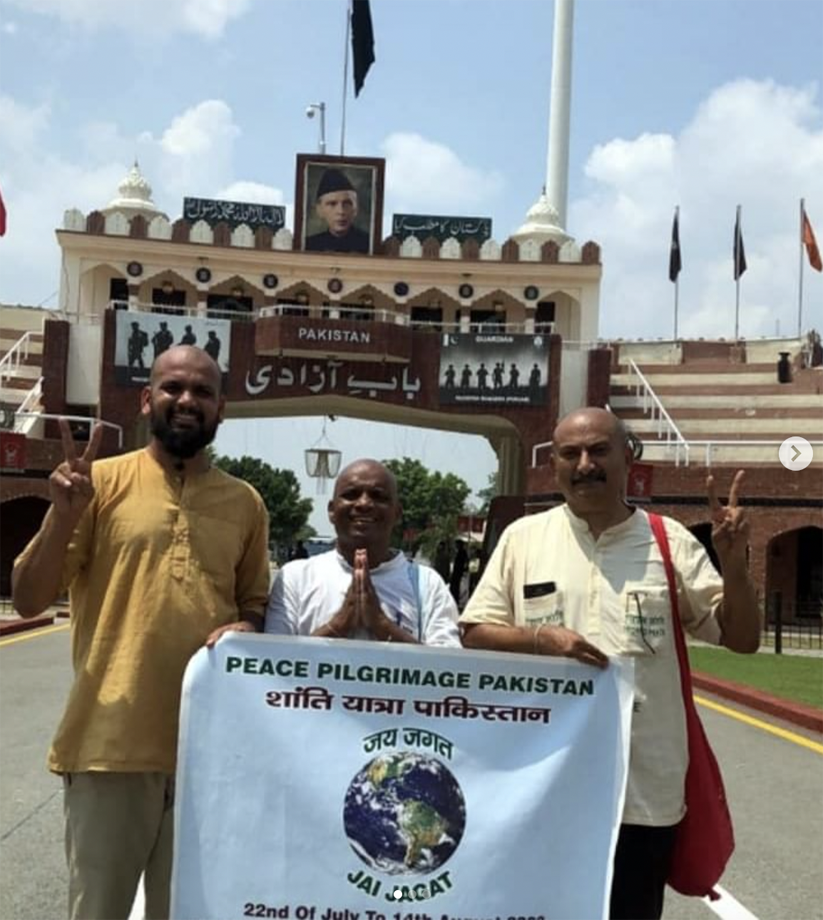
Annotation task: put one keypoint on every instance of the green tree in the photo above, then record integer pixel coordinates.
(487, 494)
(432, 503)
(288, 510)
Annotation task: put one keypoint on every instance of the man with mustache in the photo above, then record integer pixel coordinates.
(363, 589)
(160, 552)
(586, 580)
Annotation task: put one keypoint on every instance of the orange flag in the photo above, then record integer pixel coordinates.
(811, 244)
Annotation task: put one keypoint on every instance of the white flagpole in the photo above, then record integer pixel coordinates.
(345, 81)
(800, 276)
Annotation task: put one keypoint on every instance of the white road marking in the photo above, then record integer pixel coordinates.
(728, 907)
(138, 909)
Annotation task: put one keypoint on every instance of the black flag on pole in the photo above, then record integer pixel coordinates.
(362, 42)
(739, 251)
(675, 262)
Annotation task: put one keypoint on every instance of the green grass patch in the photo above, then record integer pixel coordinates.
(791, 677)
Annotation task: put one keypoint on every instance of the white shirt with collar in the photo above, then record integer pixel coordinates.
(548, 568)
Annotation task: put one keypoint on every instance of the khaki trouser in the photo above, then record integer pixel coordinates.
(118, 826)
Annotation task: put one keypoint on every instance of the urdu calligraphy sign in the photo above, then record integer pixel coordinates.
(215, 211)
(441, 228)
(312, 377)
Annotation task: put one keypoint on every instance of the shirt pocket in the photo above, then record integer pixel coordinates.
(647, 618)
(546, 610)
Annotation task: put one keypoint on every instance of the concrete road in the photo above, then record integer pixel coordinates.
(35, 672)
(773, 774)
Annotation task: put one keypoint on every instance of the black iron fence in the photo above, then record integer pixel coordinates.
(793, 625)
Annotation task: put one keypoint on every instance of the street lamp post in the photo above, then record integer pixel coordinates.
(310, 112)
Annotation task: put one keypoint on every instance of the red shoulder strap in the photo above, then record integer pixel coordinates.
(659, 531)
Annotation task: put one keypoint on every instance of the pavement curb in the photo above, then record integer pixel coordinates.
(9, 627)
(798, 714)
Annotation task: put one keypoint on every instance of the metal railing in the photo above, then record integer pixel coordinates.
(31, 399)
(29, 411)
(793, 625)
(711, 446)
(653, 407)
(16, 356)
(82, 419)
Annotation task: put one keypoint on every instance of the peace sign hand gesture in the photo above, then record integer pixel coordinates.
(70, 485)
(730, 527)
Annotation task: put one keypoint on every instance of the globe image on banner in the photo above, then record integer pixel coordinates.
(404, 814)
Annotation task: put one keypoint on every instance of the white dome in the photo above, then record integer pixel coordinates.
(134, 197)
(542, 224)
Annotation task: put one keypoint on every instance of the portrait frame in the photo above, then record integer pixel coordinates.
(366, 175)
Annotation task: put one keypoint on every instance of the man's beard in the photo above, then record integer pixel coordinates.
(183, 443)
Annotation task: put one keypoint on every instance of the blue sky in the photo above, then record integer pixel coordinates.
(690, 102)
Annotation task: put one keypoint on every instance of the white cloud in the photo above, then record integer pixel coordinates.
(22, 125)
(256, 192)
(422, 175)
(200, 130)
(192, 155)
(756, 144)
(10, 28)
(196, 151)
(205, 18)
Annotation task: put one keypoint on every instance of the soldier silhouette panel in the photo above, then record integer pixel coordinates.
(162, 339)
(138, 340)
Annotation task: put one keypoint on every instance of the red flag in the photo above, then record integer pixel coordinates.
(811, 244)
(3, 217)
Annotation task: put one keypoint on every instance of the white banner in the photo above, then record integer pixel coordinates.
(330, 780)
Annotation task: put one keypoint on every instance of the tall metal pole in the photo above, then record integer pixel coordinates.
(322, 107)
(557, 170)
(676, 295)
(800, 276)
(345, 81)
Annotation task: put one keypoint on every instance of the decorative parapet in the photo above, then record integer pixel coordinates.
(243, 237)
(283, 240)
(550, 252)
(201, 232)
(450, 249)
(180, 231)
(139, 227)
(96, 223)
(159, 228)
(490, 251)
(116, 223)
(590, 254)
(263, 238)
(570, 252)
(74, 220)
(510, 251)
(411, 248)
(530, 251)
(471, 249)
(431, 248)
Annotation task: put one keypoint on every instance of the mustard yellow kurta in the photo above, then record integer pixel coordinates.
(156, 563)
